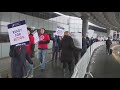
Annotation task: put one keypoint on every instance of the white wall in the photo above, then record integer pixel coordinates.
(101, 33)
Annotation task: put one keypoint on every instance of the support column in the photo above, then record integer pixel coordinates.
(84, 25)
(108, 32)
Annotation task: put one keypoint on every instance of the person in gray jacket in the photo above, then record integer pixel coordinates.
(19, 55)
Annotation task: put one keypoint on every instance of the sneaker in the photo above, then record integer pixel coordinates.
(31, 76)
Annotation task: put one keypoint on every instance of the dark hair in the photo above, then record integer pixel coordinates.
(43, 28)
(28, 28)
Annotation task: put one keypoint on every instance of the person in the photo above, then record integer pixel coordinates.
(55, 48)
(67, 47)
(84, 45)
(91, 41)
(88, 41)
(60, 37)
(108, 44)
(31, 45)
(43, 46)
(19, 55)
(30, 49)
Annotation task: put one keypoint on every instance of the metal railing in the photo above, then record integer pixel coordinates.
(80, 69)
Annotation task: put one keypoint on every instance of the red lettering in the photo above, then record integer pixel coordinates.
(19, 38)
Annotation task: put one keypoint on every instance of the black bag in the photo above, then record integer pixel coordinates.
(110, 51)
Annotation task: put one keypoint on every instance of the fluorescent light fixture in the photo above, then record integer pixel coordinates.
(61, 14)
(89, 23)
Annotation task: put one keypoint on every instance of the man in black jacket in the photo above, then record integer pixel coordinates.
(108, 44)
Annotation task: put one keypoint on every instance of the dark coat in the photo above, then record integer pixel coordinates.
(108, 43)
(18, 61)
(56, 40)
(67, 47)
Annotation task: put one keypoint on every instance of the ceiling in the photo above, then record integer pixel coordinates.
(43, 15)
(110, 20)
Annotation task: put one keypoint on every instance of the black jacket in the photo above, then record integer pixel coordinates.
(18, 61)
(67, 47)
(108, 43)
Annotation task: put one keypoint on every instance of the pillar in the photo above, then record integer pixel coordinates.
(108, 32)
(84, 25)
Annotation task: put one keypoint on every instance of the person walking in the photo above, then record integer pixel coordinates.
(108, 44)
(30, 48)
(55, 48)
(43, 46)
(67, 48)
(84, 45)
(19, 55)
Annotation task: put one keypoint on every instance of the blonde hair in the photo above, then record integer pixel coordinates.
(66, 33)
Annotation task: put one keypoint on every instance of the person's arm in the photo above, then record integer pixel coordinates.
(28, 58)
(11, 51)
(47, 40)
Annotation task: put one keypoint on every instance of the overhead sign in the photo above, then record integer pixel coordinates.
(36, 37)
(59, 31)
(18, 32)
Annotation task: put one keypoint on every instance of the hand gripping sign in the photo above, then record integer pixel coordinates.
(18, 33)
(36, 37)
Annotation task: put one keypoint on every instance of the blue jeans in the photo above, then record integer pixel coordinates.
(29, 68)
(42, 55)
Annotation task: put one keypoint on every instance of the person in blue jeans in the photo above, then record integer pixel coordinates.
(43, 46)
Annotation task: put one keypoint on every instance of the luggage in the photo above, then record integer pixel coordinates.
(110, 51)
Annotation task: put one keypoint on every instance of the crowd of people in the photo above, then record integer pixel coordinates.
(63, 49)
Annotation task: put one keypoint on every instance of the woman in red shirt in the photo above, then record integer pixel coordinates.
(31, 45)
(30, 49)
(43, 46)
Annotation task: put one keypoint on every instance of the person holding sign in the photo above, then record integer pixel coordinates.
(31, 45)
(30, 49)
(19, 55)
(43, 46)
(18, 38)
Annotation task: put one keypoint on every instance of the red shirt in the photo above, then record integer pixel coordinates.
(43, 37)
(28, 46)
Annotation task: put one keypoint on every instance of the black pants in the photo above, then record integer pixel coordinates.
(70, 65)
(108, 49)
(55, 53)
(77, 54)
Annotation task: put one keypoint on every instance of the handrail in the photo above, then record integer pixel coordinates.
(80, 69)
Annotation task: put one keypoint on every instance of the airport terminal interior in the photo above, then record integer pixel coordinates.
(88, 33)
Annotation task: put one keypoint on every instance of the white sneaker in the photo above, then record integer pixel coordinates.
(31, 76)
